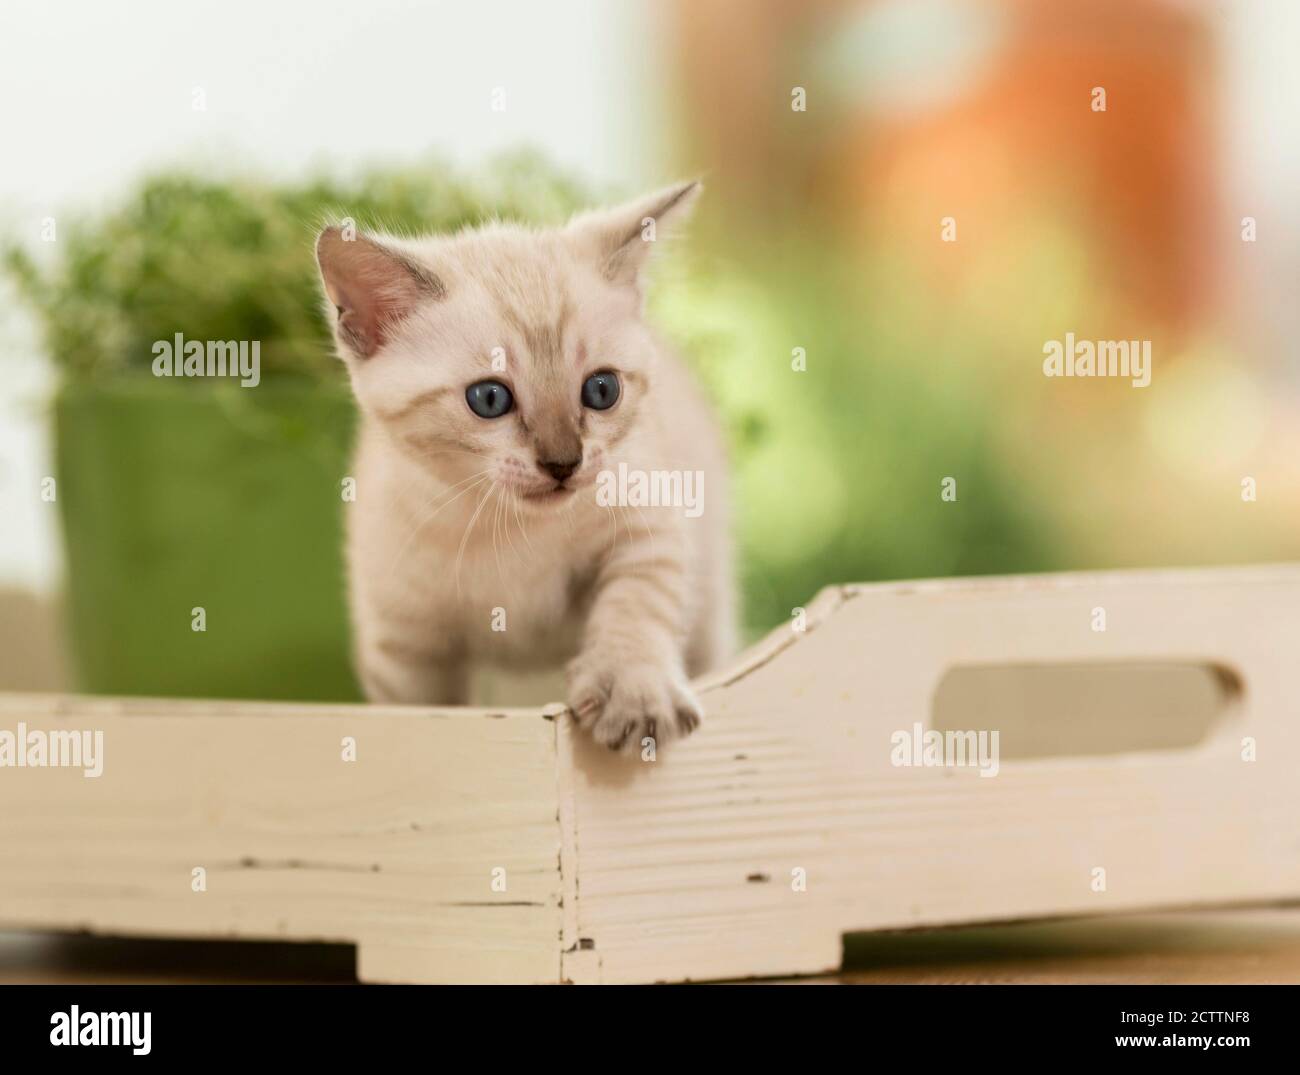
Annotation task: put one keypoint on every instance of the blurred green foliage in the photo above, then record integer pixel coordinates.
(232, 258)
(839, 466)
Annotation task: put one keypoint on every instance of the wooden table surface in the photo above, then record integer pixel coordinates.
(1223, 946)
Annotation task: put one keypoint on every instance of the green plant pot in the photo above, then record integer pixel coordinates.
(183, 496)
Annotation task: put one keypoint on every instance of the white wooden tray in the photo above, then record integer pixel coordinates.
(481, 845)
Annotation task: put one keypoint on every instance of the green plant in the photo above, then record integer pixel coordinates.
(226, 259)
(178, 495)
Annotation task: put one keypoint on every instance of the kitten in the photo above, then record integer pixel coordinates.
(503, 375)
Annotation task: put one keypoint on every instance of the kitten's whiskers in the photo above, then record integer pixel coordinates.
(474, 481)
(460, 553)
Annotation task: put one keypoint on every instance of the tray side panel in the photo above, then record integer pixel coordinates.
(435, 851)
(784, 823)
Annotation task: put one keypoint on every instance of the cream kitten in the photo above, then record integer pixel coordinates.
(503, 375)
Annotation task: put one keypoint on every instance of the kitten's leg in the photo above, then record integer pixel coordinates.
(714, 637)
(628, 681)
(394, 671)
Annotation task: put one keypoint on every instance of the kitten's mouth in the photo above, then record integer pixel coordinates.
(558, 491)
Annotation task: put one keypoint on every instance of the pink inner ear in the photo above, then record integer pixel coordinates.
(371, 287)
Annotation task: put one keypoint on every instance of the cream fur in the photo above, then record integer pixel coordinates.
(444, 540)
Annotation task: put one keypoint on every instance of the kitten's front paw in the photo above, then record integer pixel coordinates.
(619, 705)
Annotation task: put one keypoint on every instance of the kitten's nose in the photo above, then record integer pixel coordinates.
(560, 470)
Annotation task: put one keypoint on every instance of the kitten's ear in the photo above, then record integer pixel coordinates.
(621, 239)
(370, 286)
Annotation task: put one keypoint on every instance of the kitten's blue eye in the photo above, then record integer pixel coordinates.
(489, 399)
(600, 391)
